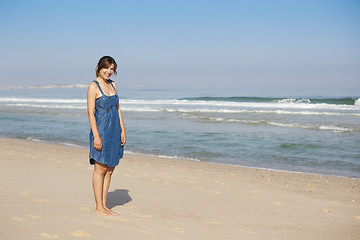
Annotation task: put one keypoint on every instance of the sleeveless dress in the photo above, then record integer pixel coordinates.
(108, 125)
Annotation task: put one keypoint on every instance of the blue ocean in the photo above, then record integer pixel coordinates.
(282, 131)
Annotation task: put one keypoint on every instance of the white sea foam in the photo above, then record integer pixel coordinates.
(293, 100)
(279, 124)
(296, 125)
(211, 105)
(141, 109)
(54, 142)
(287, 107)
(357, 102)
(125, 107)
(334, 128)
(207, 110)
(42, 100)
(163, 156)
(46, 106)
(277, 104)
(310, 113)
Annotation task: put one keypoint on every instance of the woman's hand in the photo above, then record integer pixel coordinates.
(98, 143)
(123, 138)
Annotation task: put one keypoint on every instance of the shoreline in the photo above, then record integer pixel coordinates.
(296, 176)
(46, 192)
(181, 158)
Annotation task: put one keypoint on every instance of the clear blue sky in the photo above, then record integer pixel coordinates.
(183, 43)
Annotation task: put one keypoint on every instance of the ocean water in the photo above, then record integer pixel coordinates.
(302, 133)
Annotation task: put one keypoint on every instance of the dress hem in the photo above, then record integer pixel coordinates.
(92, 162)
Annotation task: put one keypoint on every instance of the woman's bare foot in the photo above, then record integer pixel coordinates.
(111, 212)
(103, 212)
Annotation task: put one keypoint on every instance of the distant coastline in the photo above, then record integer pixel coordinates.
(47, 86)
(10, 87)
(61, 86)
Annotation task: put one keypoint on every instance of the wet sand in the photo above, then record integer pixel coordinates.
(46, 193)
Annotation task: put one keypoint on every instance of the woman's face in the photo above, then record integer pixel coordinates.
(107, 72)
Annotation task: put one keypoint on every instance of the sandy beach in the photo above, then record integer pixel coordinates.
(46, 193)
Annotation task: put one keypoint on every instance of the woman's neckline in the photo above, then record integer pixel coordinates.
(103, 93)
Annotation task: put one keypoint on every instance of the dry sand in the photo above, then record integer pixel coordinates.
(46, 193)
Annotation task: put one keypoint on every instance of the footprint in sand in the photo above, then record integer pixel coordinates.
(312, 186)
(19, 219)
(80, 234)
(10, 153)
(325, 210)
(178, 230)
(357, 217)
(48, 236)
(277, 203)
(43, 200)
(86, 209)
(245, 231)
(216, 192)
(132, 207)
(215, 223)
(25, 193)
(258, 191)
(35, 217)
(218, 182)
(191, 181)
(144, 173)
(117, 218)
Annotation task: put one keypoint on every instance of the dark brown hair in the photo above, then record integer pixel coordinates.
(105, 62)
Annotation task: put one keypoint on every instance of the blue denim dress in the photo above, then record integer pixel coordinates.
(108, 125)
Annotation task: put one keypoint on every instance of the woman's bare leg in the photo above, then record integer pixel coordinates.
(100, 171)
(106, 186)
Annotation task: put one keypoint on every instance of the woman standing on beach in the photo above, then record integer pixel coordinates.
(107, 135)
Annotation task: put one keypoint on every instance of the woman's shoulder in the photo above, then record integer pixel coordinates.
(92, 85)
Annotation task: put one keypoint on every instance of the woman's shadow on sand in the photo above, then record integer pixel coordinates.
(118, 197)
